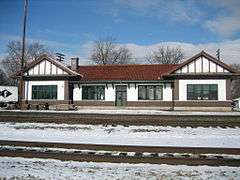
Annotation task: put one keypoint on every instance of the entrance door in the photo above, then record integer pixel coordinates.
(121, 95)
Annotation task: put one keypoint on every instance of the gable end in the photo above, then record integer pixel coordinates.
(202, 63)
(46, 66)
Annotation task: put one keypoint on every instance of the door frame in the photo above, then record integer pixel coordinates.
(120, 91)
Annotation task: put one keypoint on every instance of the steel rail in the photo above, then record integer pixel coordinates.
(122, 119)
(125, 148)
(121, 159)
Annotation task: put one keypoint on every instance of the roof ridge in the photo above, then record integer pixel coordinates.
(109, 65)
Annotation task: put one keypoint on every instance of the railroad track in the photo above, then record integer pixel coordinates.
(122, 154)
(121, 119)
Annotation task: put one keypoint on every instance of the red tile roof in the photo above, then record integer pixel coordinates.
(124, 72)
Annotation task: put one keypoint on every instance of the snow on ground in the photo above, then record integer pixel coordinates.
(133, 111)
(132, 135)
(23, 168)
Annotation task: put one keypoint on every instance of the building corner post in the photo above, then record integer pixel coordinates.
(173, 96)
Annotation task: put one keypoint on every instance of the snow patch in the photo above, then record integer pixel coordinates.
(23, 168)
(132, 135)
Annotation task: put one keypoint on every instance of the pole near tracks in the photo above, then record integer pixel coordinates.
(21, 84)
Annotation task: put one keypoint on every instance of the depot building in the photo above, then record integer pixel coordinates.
(199, 83)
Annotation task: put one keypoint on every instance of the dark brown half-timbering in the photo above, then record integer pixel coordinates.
(195, 66)
(66, 90)
(23, 90)
(173, 97)
(176, 89)
(228, 89)
(38, 68)
(51, 68)
(45, 65)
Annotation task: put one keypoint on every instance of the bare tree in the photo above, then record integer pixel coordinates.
(12, 61)
(235, 83)
(106, 51)
(5, 80)
(166, 55)
(3, 77)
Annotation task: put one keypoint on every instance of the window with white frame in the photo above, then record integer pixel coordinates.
(93, 92)
(150, 92)
(44, 92)
(202, 92)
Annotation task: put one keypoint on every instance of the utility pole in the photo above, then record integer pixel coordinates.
(218, 54)
(21, 84)
(60, 57)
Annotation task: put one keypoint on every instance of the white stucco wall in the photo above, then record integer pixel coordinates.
(238, 103)
(167, 93)
(109, 93)
(29, 84)
(206, 65)
(221, 87)
(77, 92)
(198, 65)
(132, 92)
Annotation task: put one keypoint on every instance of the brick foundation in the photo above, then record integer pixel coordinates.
(203, 103)
(160, 104)
(49, 102)
(94, 103)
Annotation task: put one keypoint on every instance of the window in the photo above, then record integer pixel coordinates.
(150, 92)
(202, 92)
(44, 92)
(93, 92)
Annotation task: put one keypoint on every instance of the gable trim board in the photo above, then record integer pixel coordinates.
(211, 59)
(44, 59)
(200, 69)
(50, 78)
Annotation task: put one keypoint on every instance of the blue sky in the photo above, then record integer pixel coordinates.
(70, 26)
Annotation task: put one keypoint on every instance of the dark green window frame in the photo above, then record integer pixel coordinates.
(150, 92)
(93, 92)
(202, 92)
(44, 92)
